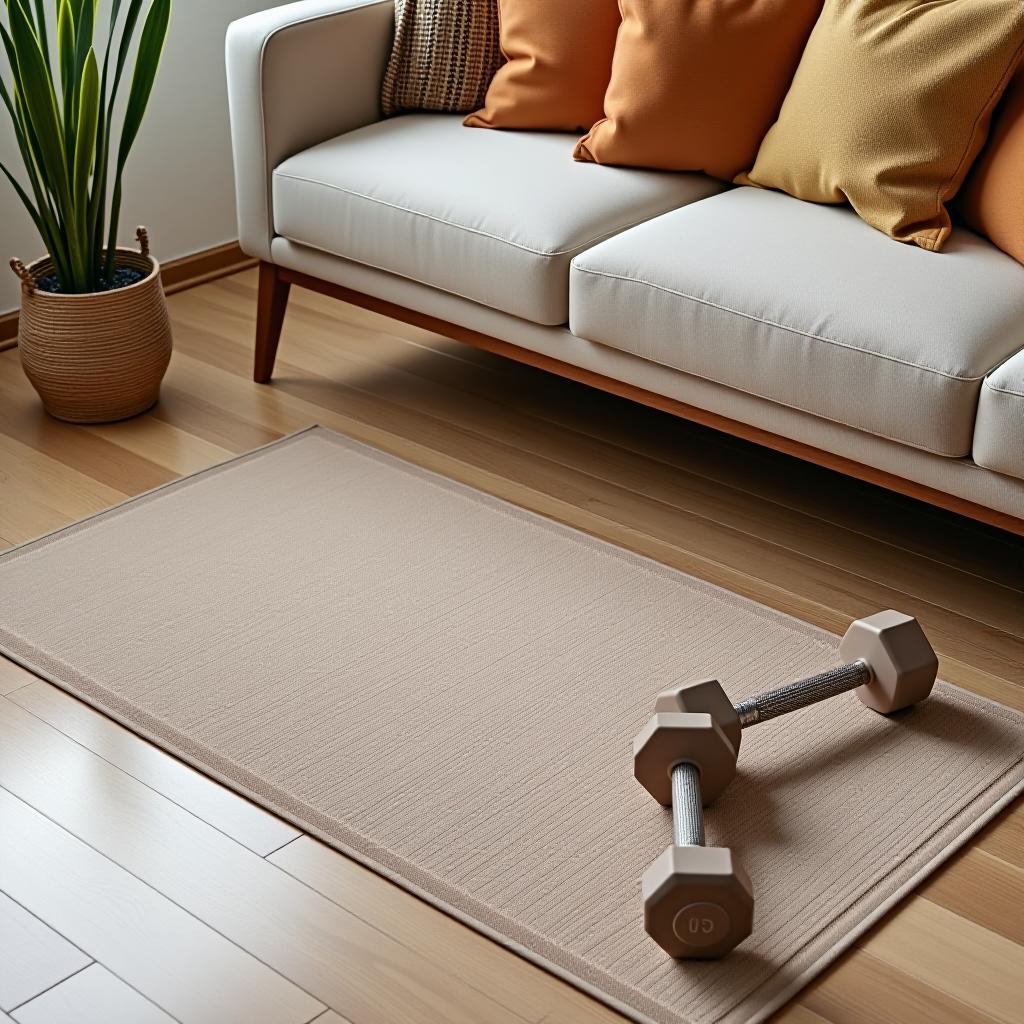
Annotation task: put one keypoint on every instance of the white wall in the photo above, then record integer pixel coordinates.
(179, 181)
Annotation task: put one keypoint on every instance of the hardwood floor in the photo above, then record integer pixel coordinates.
(136, 890)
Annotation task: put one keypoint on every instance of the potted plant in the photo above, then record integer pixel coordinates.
(94, 333)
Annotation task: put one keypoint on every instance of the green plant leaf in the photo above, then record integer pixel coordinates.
(147, 61)
(37, 93)
(66, 61)
(151, 47)
(84, 28)
(85, 152)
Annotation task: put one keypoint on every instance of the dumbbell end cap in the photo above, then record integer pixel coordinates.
(670, 738)
(703, 696)
(902, 662)
(698, 902)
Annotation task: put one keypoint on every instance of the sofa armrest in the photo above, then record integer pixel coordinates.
(299, 75)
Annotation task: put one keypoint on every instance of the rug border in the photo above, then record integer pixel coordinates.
(765, 1011)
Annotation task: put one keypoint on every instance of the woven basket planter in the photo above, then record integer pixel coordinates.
(98, 357)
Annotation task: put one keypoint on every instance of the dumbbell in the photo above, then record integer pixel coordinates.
(698, 901)
(889, 664)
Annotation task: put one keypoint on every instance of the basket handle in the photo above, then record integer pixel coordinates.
(142, 234)
(27, 280)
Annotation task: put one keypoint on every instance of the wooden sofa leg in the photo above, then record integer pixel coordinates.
(272, 303)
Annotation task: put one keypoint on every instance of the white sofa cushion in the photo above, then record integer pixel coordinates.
(492, 216)
(999, 434)
(807, 306)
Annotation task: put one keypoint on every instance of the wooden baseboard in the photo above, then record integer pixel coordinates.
(204, 266)
(177, 275)
(735, 428)
(8, 330)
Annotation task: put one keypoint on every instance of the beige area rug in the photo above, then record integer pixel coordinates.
(446, 687)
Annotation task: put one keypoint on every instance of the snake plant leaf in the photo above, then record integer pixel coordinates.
(85, 140)
(147, 61)
(84, 28)
(66, 57)
(127, 34)
(151, 47)
(85, 153)
(37, 94)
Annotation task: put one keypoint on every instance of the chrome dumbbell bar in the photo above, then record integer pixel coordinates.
(802, 694)
(687, 812)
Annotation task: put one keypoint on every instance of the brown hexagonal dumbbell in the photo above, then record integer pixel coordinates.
(698, 901)
(889, 665)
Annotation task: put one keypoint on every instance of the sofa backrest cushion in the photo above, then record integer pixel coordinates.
(993, 198)
(889, 108)
(444, 55)
(695, 86)
(559, 61)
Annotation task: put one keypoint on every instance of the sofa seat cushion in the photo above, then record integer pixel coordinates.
(807, 306)
(999, 434)
(492, 216)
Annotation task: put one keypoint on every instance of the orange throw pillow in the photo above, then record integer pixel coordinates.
(559, 59)
(695, 86)
(993, 199)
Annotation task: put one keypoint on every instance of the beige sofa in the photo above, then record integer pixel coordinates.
(792, 324)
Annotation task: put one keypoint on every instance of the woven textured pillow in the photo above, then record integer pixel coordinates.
(443, 57)
(889, 108)
(696, 85)
(993, 197)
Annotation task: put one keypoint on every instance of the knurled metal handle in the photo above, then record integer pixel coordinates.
(803, 693)
(687, 809)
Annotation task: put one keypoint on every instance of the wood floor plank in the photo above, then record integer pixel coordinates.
(1005, 838)
(954, 956)
(962, 886)
(52, 482)
(93, 996)
(866, 990)
(439, 939)
(13, 677)
(348, 965)
(167, 445)
(33, 958)
(23, 419)
(182, 965)
(795, 1013)
(228, 812)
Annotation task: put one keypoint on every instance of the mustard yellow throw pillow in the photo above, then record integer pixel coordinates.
(889, 107)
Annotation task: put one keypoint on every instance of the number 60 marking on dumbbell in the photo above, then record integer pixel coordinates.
(698, 901)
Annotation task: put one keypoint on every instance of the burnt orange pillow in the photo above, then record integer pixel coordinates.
(559, 59)
(993, 198)
(695, 86)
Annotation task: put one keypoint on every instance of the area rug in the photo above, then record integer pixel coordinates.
(445, 687)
